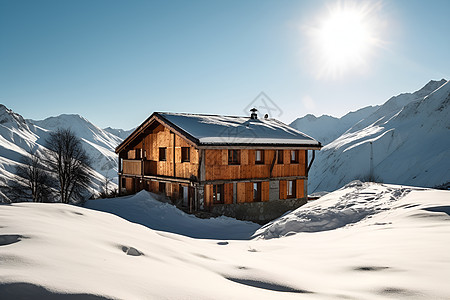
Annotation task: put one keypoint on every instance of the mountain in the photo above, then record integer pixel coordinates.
(404, 141)
(123, 134)
(99, 143)
(18, 136)
(327, 128)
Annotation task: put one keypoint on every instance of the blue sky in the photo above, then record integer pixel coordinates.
(115, 62)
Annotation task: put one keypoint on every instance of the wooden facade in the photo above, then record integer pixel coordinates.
(161, 158)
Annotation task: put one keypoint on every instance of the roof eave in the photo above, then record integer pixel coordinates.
(156, 117)
(259, 146)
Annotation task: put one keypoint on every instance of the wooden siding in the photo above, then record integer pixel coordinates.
(148, 149)
(217, 168)
(142, 158)
(283, 189)
(265, 191)
(208, 195)
(132, 167)
(244, 192)
(228, 193)
(300, 188)
(129, 185)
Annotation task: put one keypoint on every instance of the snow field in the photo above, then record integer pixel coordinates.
(398, 248)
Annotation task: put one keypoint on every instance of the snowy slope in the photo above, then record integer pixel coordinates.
(399, 250)
(144, 209)
(410, 136)
(18, 136)
(99, 143)
(327, 128)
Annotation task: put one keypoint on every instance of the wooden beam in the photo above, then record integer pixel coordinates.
(173, 151)
(275, 156)
(221, 181)
(262, 147)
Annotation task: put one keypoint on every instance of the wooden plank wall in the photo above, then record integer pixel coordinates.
(131, 167)
(162, 137)
(228, 193)
(208, 195)
(129, 185)
(216, 165)
(300, 188)
(265, 191)
(283, 189)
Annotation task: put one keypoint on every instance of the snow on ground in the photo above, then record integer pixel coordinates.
(344, 207)
(144, 209)
(397, 249)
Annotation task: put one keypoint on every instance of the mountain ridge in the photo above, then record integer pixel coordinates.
(395, 144)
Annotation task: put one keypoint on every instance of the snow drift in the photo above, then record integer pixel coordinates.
(397, 250)
(144, 208)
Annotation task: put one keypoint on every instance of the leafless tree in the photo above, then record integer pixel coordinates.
(70, 162)
(31, 182)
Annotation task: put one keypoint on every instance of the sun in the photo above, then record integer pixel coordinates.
(344, 39)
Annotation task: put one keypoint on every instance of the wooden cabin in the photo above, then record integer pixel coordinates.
(245, 167)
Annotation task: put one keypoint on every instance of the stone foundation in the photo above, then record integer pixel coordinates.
(258, 212)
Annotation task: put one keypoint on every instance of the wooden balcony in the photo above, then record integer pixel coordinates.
(132, 167)
(137, 166)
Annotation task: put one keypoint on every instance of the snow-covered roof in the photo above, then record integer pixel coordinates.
(217, 130)
(234, 130)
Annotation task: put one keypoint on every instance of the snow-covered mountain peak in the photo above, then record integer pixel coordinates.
(430, 87)
(19, 135)
(123, 134)
(9, 118)
(63, 121)
(327, 128)
(403, 144)
(395, 104)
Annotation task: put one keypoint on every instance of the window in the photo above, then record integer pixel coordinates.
(234, 157)
(124, 182)
(259, 157)
(294, 156)
(218, 193)
(291, 188)
(280, 154)
(256, 191)
(162, 187)
(185, 154)
(162, 153)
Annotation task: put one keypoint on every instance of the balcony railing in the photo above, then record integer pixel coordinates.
(139, 167)
(132, 167)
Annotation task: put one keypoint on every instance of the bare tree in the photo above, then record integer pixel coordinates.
(31, 182)
(34, 176)
(70, 162)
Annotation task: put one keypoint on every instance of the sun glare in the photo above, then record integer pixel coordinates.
(344, 39)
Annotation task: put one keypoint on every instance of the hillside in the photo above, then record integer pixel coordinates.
(408, 137)
(18, 136)
(327, 128)
(327, 249)
(100, 144)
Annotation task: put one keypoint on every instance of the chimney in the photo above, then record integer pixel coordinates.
(253, 116)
